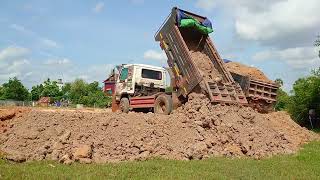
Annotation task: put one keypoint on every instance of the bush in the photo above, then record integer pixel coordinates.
(306, 96)
(283, 99)
(89, 95)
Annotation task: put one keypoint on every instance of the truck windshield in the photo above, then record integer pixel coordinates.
(124, 74)
(151, 74)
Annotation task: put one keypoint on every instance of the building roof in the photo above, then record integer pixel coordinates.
(111, 78)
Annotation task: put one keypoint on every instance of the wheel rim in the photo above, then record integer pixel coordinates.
(121, 106)
(161, 107)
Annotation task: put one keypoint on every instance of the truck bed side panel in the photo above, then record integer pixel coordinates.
(179, 59)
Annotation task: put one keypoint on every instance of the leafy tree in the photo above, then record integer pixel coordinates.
(50, 89)
(65, 91)
(94, 86)
(306, 96)
(317, 43)
(90, 94)
(36, 92)
(283, 99)
(14, 90)
(77, 91)
(1, 92)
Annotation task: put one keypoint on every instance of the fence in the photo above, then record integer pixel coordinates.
(17, 103)
(34, 103)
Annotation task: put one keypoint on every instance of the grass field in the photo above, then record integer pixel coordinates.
(304, 165)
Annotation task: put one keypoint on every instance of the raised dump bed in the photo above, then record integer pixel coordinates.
(194, 60)
(261, 95)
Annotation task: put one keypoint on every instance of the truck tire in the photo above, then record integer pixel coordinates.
(124, 105)
(163, 105)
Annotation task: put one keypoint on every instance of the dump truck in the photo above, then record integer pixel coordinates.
(194, 66)
(261, 93)
(184, 34)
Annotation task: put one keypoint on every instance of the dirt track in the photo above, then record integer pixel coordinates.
(197, 130)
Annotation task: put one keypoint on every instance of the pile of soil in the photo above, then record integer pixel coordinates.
(196, 130)
(8, 114)
(206, 67)
(244, 70)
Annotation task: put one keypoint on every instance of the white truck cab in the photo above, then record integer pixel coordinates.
(142, 86)
(140, 80)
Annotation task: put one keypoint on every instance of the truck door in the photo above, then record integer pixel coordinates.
(124, 84)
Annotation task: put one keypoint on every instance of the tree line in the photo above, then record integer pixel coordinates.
(76, 92)
(305, 95)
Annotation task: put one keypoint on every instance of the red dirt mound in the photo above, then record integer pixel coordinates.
(8, 114)
(196, 130)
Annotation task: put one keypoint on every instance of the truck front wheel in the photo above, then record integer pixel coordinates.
(124, 105)
(163, 105)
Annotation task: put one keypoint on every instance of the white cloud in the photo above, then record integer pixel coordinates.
(206, 5)
(98, 7)
(50, 43)
(300, 57)
(283, 23)
(58, 62)
(13, 52)
(17, 65)
(6, 77)
(154, 55)
(42, 40)
(13, 62)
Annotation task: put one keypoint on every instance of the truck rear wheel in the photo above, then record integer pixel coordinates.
(124, 105)
(163, 105)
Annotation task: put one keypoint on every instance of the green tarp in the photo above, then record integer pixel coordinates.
(195, 24)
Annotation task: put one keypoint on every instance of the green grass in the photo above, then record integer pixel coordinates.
(317, 130)
(304, 165)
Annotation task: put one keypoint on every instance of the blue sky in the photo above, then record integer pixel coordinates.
(64, 39)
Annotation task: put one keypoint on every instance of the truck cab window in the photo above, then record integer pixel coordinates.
(151, 74)
(124, 74)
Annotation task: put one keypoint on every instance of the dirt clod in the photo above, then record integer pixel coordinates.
(16, 157)
(84, 151)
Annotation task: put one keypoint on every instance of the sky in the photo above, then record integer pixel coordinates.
(43, 39)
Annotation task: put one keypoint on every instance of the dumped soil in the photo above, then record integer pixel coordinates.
(8, 114)
(203, 62)
(244, 70)
(197, 130)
